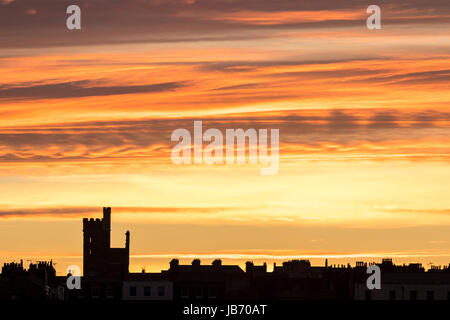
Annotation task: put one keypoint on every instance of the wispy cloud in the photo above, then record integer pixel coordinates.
(339, 133)
(78, 212)
(78, 89)
(128, 21)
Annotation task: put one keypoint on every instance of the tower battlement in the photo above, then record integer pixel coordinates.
(99, 259)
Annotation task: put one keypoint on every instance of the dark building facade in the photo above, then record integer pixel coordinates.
(39, 282)
(215, 281)
(99, 259)
(104, 268)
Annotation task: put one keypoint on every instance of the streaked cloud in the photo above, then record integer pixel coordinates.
(78, 89)
(128, 21)
(339, 132)
(79, 212)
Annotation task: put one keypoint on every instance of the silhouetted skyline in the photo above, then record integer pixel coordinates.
(106, 276)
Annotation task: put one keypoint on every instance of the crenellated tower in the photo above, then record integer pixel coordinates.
(99, 259)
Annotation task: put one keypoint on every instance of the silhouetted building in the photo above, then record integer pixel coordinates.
(99, 259)
(104, 268)
(37, 283)
(147, 287)
(406, 282)
(407, 286)
(106, 277)
(215, 281)
(254, 271)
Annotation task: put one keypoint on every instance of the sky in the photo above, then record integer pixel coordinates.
(86, 118)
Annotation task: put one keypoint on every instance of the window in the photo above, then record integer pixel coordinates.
(392, 295)
(368, 295)
(81, 294)
(109, 292)
(413, 295)
(198, 292)
(147, 291)
(95, 292)
(212, 292)
(133, 291)
(430, 295)
(91, 272)
(161, 291)
(184, 292)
